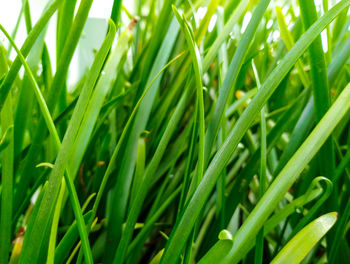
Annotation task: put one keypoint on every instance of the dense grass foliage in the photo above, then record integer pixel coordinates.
(205, 131)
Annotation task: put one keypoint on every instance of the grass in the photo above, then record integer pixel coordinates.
(195, 135)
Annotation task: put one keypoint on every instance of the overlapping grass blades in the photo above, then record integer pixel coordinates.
(194, 136)
(223, 155)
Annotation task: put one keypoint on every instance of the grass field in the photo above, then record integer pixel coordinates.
(203, 131)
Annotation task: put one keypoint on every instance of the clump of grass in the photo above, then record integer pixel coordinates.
(202, 131)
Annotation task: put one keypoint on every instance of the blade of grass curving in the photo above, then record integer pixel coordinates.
(300, 245)
(27, 45)
(299, 224)
(197, 66)
(192, 211)
(312, 212)
(310, 195)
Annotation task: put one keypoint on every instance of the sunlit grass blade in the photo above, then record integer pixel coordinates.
(300, 245)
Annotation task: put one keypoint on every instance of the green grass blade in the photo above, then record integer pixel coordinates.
(54, 226)
(65, 17)
(263, 181)
(116, 10)
(7, 170)
(300, 245)
(197, 66)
